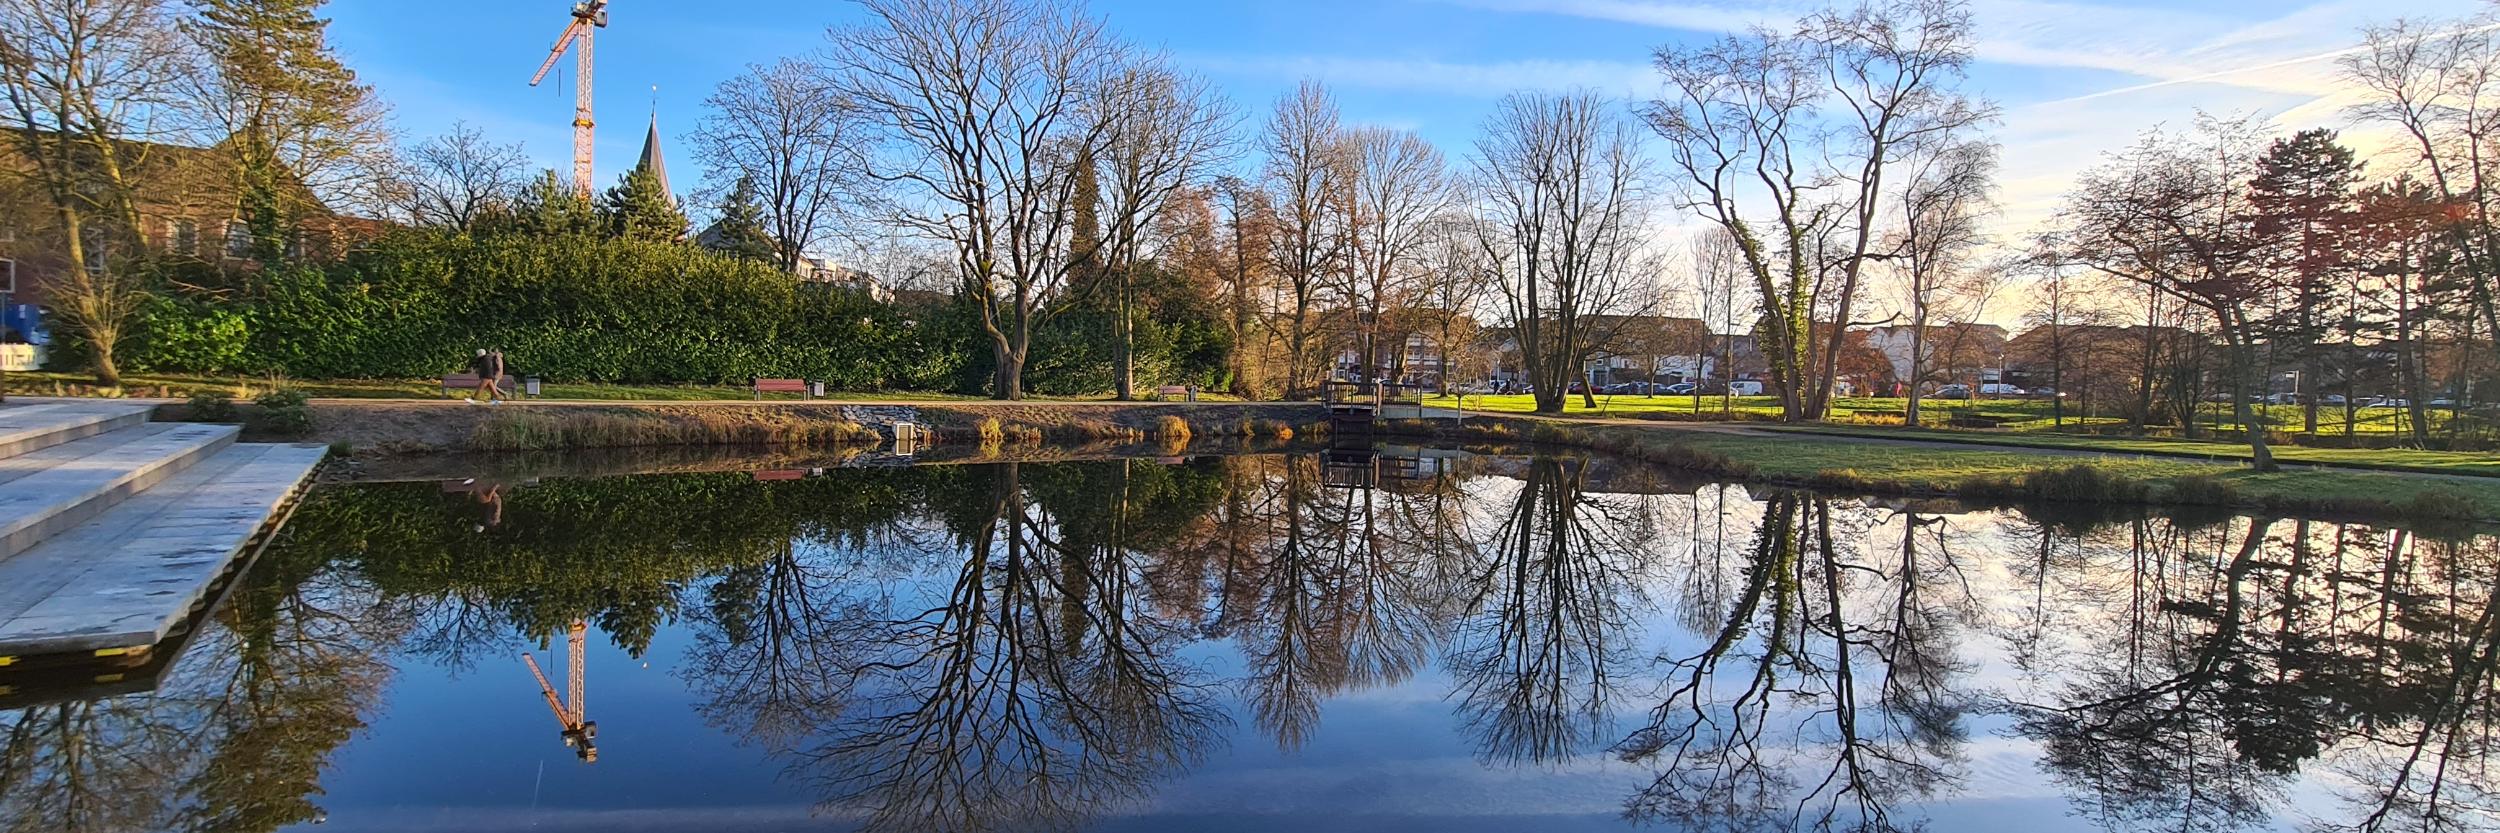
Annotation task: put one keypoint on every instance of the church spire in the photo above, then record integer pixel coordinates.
(651, 160)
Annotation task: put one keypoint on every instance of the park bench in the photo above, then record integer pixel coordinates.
(797, 386)
(1171, 392)
(468, 382)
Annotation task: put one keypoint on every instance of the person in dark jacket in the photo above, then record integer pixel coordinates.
(489, 369)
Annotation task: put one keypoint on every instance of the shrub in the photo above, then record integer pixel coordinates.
(2203, 490)
(284, 412)
(2440, 503)
(211, 405)
(187, 336)
(1172, 428)
(2080, 483)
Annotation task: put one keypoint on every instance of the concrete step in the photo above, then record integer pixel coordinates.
(40, 425)
(125, 578)
(46, 492)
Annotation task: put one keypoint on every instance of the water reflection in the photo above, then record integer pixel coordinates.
(1054, 645)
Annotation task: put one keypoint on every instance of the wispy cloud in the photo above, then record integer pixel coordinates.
(1452, 78)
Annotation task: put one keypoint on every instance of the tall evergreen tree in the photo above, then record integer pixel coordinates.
(548, 206)
(2302, 196)
(640, 208)
(294, 117)
(740, 230)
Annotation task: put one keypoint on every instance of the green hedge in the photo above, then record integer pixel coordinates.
(589, 309)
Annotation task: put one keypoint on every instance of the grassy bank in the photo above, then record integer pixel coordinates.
(1983, 473)
(389, 428)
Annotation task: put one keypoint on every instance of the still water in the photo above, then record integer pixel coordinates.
(1273, 642)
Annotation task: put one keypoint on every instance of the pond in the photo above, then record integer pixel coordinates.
(1331, 641)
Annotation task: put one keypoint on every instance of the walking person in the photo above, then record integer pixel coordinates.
(489, 369)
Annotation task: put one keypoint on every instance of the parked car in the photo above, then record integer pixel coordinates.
(2386, 402)
(1680, 389)
(1631, 388)
(2332, 399)
(2044, 392)
(1745, 388)
(1951, 392)
(1999, 389)
(2283, 399)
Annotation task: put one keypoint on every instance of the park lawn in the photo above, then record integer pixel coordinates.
(1945, 469)
(2015, 414)
(2388, 459)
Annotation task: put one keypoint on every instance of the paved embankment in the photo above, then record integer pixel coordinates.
(113, 528)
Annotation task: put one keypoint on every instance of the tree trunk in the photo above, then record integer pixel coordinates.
(2244, 369)
(1124, 345)
(1008, 381)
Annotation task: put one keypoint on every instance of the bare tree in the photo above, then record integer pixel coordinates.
(1400, 184)
(1944, 202)
(784, 127)
(1249, 223)
(1720, 282)
(459, 179)
(1167, 128)
(2169, 214)
(2439, 84)
(1560, 182)
(1746, 122)
(1307, 169)
(979, 111)
(87, 83)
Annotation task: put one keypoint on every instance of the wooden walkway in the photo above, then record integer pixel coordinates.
(113, 528)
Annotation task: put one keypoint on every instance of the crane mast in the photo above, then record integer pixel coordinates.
(588, 17)
(580, 734)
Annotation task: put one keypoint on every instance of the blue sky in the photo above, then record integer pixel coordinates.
(2074, 78)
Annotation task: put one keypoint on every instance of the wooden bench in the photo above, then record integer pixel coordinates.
(468, 382)
(1171, 392)
(797, 386)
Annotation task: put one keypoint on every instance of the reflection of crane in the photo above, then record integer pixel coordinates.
(587, 15)
(578, 733)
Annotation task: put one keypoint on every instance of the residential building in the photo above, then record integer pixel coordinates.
(187, 206)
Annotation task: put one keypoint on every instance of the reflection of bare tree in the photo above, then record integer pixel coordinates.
(1730, 752)
(996, 706)
(235, 739)
(1541, 659)
(2193, 725)
(1326, 595)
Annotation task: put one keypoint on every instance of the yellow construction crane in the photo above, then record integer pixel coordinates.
(588, 15)
(579, 734)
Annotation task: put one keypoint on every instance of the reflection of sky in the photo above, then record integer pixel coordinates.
(479, 750)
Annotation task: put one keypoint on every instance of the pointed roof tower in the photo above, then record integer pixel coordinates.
(651, 160)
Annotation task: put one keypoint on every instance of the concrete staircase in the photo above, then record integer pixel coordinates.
(113, 528)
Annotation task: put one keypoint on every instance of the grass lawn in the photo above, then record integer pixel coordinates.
(2388, 459)
(2014, 414)
(1949, 469)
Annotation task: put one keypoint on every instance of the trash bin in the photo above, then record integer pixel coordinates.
(530, 386)
(816, 389)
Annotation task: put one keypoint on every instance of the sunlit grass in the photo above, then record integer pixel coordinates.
(2012, 414)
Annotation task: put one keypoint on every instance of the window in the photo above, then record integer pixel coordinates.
(238, 239)
(8, 276)
(186, 237)
(95, 259)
